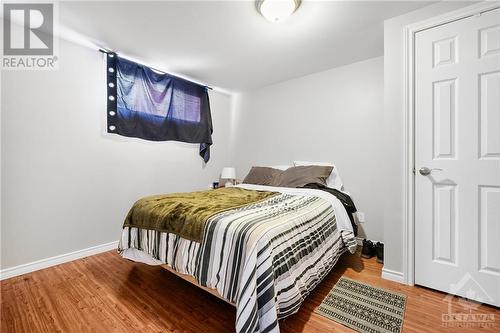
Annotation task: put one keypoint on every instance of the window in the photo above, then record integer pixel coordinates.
(156, 106)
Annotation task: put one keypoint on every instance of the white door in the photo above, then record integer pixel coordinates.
(457, 133)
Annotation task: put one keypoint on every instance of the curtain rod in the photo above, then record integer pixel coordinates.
(157, 70)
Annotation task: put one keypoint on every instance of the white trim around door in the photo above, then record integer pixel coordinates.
(409, 135)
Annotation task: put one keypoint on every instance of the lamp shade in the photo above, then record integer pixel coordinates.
(228, 173)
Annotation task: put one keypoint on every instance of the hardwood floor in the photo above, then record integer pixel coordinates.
(105, 293)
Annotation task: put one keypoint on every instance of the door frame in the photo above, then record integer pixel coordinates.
(409, 246)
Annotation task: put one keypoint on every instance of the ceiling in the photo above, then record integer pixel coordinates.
(228, 44)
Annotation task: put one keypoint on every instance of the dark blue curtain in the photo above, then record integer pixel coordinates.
(154, 106)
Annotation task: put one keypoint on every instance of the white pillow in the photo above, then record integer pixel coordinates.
(280, 167)
(333, 181)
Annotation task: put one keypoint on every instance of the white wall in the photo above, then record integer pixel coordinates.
(66, 185)
(393, 142)
(335, 115)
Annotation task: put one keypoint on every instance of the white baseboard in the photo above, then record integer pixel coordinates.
(60, 259)
(393, 275)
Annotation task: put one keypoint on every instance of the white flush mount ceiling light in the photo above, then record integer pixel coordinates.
(277, 10)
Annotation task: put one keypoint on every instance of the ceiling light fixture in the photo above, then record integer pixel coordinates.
(277, 10)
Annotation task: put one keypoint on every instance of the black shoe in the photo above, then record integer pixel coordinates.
(368, 250)
(379, 249)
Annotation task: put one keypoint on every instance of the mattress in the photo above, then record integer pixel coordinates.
(265, 257)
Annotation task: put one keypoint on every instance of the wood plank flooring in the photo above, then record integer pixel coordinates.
(105, 293)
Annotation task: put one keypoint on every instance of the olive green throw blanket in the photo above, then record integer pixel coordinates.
(185, 214)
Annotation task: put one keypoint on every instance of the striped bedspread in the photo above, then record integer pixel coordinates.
(264, 257)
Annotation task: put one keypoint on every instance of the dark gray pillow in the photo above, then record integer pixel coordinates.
(261, 176)
(302, 175)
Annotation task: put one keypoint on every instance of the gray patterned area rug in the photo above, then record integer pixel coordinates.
(364, 308)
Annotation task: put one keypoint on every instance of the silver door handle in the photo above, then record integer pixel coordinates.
(425, 171)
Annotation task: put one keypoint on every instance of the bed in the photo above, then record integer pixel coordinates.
(263, 257)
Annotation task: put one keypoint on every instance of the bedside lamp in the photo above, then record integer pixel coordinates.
(228, 174)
